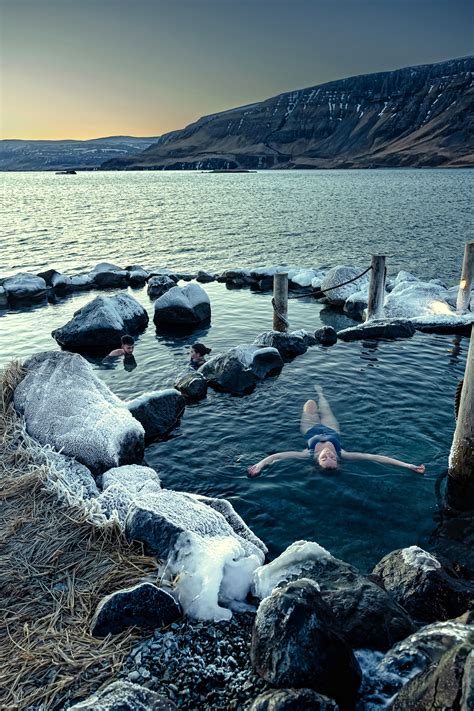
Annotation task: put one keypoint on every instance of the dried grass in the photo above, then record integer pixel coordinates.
(55, 566)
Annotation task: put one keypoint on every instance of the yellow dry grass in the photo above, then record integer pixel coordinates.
(55, 566)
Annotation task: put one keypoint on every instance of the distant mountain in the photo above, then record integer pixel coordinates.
(60, 155)
(418, 117)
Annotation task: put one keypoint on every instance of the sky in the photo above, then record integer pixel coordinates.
(89, 68)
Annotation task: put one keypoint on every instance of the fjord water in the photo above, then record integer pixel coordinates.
(390, 397)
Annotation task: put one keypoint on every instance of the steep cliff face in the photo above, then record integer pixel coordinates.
(418, 116)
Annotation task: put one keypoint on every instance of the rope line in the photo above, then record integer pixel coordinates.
(282, 318)
(318, 293)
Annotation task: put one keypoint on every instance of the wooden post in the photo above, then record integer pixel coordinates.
(280, 301)
(464, 293)
(376, 288)
(460, 489)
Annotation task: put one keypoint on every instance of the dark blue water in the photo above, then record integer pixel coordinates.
(390, 398)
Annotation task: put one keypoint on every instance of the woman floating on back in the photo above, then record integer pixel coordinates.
(198, 351)
(321, 431)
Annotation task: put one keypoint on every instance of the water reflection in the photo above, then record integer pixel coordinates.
(456, 349)
(368, 351)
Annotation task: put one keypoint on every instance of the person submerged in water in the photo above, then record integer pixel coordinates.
(321, 431)
(198, 351)
(128, 344)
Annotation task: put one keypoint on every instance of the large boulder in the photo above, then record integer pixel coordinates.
(367, 615)
(137, 276)
(25, 287)
(68, 407)
(79, 282)
(125, 696)
(326, 336)
(296, 642)
(409, 299)
(183, 308)
(99, 325)
(159, 285)
(238, 370)
(205, 556)
(192, 385)
(109, 276)
(158, 411)
(293, 700)
(427, 586)
(288, 345)
(385, 329)
(143, 605)
(340, 275)
(54, 279)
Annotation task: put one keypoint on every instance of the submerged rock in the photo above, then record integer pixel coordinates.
(367, 615)
(182, 308)
(3, 298)
(124, 696)
(289, 345)
(387, 329)
(326, 335)
(54, 279)
(192, 385)
(204, 277)
(158, 411)
(427, 587)
(296, 643)
(68, 407)
(25, 287)
(99, 325)
(137, 276)
(109, 276)
(159, 285)
(143, 605)
(293, 700)
(238, 370)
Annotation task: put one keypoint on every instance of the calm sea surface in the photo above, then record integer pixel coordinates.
(392, 398)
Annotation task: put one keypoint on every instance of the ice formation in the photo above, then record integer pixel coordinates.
(418, 558)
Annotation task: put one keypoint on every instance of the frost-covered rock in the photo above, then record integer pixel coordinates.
(441, 323)
(185, 307)
(68, 407)
(367, 615)
(99, 325)
(75, 478)
(137, 276)
(115, 503)
(125, 696)
(25, 287)
(143, 605)
(238, 370)
(235, 278)
(79, 282)
(192, 385)
(133, 477)
(357, 302)
(158, 411)
(109, 276)
(386, 329)
(293, 700)
(159, 285)
(339, 275)
(289, 345)
(210, 563)
(416, 298)
(54, 279)
(403, 277)
(425, 585)
(3, 298)
(326, 335)
(302, 279)
(296, 642)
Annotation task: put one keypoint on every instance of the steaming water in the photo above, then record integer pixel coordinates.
(392, 398)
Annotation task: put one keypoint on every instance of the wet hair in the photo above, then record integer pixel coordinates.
(201, 349)
(127, 341)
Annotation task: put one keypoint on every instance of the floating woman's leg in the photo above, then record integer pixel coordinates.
(327, 415)
(309, 416)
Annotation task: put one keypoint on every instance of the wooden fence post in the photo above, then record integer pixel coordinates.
(460, 488)
(376, 288)
(280, 301)
(464, 293)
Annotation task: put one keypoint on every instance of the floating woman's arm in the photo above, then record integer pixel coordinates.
(382, 459)
(257, 468)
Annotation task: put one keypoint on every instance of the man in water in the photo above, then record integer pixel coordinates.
(128, 344)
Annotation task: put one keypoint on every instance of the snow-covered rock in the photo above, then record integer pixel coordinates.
(185, 307)
(54, 279)
(108, 276)
(158, 411)
(98, 325)
(3, 298)
(303, 279)
(68, 407)
(357, 302)
(25, 287)
(386, 329)
(339, 275)
(289, 345)
(125, 696)
(79, 282)
(159, 285)
(133, 477)
(192, 385)
(137, 276)
(238, 370)
(409, 299)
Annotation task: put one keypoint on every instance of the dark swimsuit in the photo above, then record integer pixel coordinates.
(322, 433)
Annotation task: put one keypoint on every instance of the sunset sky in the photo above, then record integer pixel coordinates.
(89, 68)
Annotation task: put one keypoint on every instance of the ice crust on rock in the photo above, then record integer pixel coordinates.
(418, 558)
(133, 477)
(68, 407)
(291, 562)
(24, 286)
(338, 275)
(410, 299)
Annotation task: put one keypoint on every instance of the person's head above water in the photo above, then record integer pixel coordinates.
(199, 350)
(128, 344)
(326, 457)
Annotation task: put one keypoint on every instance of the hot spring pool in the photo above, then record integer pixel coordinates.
(393, 398)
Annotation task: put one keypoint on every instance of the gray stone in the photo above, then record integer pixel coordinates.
(182, 308)
(296, 642)
(241, 368)
(124, 696)
(109, 276)
(204, 277)
(159, 285)
(289, 345)
(3, 298)
(293, 700)
(192, 385)
(68, 407)
(25, 287)
(99, 325)
(54, 279)
(386, 329)
(158, 411)
(427, 586)
(143, 605)
(326, 335)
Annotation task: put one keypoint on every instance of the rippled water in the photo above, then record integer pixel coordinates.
(392, 398)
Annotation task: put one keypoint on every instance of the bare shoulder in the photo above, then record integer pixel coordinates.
(116, 352)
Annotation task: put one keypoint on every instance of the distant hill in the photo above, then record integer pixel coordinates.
(60, 155)
(418, 116)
